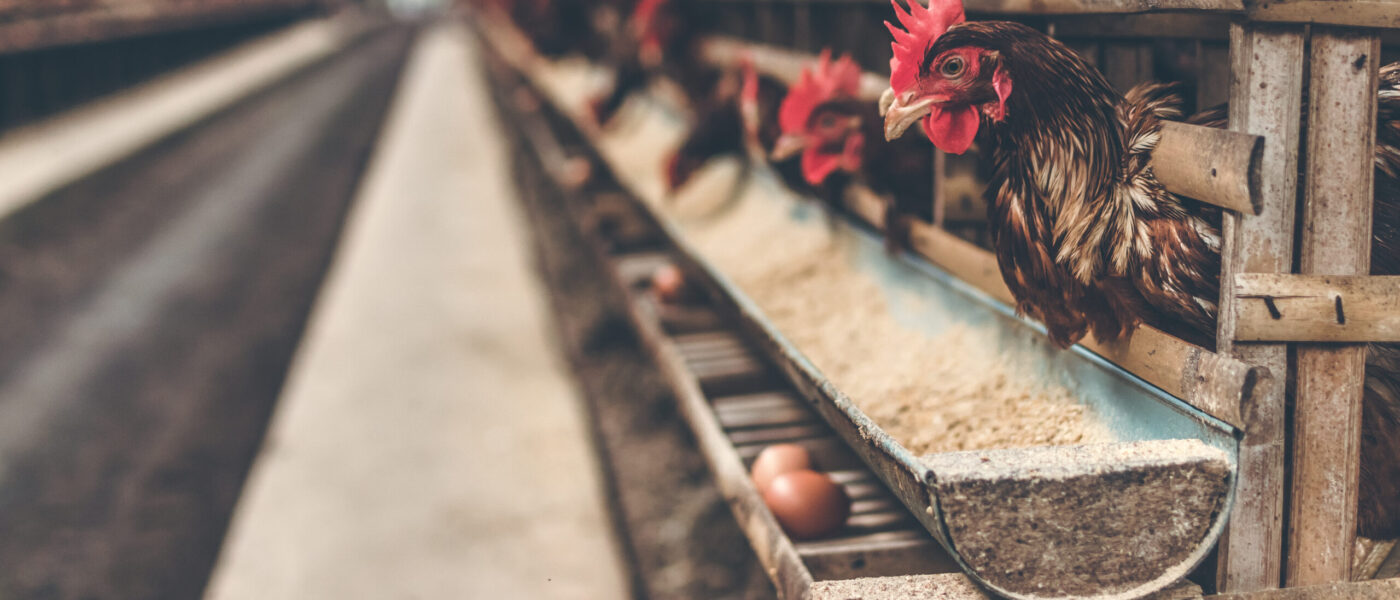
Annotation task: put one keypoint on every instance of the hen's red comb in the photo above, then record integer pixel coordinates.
(828, 80)
(922, 26)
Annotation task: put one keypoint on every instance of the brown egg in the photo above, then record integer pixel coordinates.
(669, 283)
(776, 460)
(808, 504)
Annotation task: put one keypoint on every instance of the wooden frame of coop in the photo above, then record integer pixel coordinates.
(1296, 242)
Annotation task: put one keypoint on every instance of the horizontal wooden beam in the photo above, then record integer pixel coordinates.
(1058, 7)
(1380, 589)
(1055, 7)
(1317, 308)
(1218, 385)
(1217, 166)
(1196, 26)
(1357, 13)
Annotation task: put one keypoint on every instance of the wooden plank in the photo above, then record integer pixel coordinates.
(774, 435)
(1059, 7)
(1211, 165)
(1359, 13)
(940, 187)
(1386, 589)
(1336, 240)
(1213, 74)
(1265, 99)
(1317, 308)
(1126, 64)
(1195, 26)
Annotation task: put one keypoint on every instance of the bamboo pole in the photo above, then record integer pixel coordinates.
(1336, 240)
(1318, 308)
(1265, 99)
(940, 182)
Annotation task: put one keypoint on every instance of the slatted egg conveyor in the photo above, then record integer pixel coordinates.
(1126, 519)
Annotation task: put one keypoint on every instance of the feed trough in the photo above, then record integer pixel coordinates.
(1115, 519)
(1109, 520)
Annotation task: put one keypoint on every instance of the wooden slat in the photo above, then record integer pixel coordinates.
(1317, 308)
(884, 553)
(1359, 13)
(1195, 26)
(1057, 7)
(1336, 241)
(828, 454)
(940, 191)
(775, 435)
(1213, 76)
(1266, 100)
(1211, 165)
(1127, 63)
(1388, 589)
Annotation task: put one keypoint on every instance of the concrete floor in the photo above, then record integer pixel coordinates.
(429, 443)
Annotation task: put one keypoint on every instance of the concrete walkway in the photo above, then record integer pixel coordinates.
(429, 443)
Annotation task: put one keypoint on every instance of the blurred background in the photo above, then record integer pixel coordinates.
(261, 299)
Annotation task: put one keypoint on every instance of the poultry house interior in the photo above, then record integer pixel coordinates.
(674, 299)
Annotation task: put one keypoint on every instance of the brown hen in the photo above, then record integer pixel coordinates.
(1087, 239)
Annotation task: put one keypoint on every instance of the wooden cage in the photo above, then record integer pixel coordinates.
(1263, 58)
(1297, 304)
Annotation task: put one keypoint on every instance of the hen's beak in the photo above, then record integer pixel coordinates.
(786, 147)
(902, 111)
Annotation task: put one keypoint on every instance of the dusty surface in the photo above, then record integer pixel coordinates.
(148, 315)
(933, 393)
(429, 443)
(945, 586)
(1039, 528)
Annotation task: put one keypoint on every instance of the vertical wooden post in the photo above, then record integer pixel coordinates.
(1336, 241)
(1213, 79)
(940, 182)
(767, 22)
(802, 27)
(1125, 64)
(1265, 99)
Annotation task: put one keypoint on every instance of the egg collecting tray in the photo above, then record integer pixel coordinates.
(1117, 520)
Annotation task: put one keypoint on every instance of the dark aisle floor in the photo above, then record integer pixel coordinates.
(149, 314)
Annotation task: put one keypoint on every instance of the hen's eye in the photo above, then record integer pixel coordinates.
(827, 121)
(952, 67)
